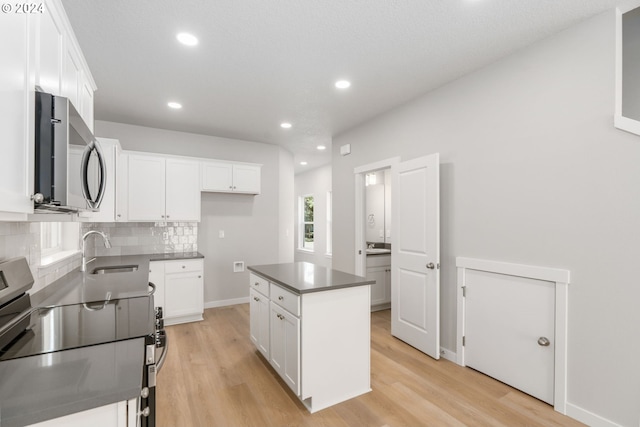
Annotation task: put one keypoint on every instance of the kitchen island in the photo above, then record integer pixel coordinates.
(313, 326)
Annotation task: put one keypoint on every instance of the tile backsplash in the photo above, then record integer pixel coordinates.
(23, 239)
(129, 238)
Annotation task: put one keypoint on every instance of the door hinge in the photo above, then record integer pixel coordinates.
(463, 341)
(464, 291)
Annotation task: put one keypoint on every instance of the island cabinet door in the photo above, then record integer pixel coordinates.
(259, 325)
(285, 346)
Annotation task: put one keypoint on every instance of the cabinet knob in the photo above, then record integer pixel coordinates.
(544, 342)
(184, 266)
(280, 316)
(280, 297)
(256, 299)
(230, 188)
(161, 216)
(257, 284)
(199, 277)
(167, 216)
(119, 215)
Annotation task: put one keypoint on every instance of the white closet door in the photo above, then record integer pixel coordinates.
(508, 322)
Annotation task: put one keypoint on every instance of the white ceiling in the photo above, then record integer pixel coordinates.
(262, 62)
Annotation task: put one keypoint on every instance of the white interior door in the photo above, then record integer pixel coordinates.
(509, 330)
(415, 261)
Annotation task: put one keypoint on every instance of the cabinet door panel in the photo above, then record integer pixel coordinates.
(16, 173)
(246, 179)
(217, 176)
(259, 325)
(285, 346)
(71, 76)
(182, 190)
(156, 276)
(50, 52)
(146, 189)
(183, 294)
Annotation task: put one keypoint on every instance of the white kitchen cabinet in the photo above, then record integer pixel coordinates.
(156, 276)
(259, 325)
(122, 187)
(379, 269)
(162, 188)
(179, 289)
(285, 345)
(38, 49)
(120, 414)
(228, 177)
(50, 47)
(17, 74)
(319, 342)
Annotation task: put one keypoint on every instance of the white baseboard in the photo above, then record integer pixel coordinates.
(226, 302)
(589, 418)
(448, 354)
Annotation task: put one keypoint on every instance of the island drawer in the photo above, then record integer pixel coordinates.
(285, 299)
(259, 284)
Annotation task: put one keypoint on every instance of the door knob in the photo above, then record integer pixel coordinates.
(544, 341)
(431, 266)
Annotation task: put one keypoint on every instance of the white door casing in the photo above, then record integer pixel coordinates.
(415, 261)
(559, 280)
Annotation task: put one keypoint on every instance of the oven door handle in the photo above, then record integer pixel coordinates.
(163, 356)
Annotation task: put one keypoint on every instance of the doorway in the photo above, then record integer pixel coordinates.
(415, 251)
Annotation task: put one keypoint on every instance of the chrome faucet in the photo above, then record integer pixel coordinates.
(107, 244)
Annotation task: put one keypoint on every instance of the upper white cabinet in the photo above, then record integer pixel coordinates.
(228, 177)
(162, 188)
(37, 50)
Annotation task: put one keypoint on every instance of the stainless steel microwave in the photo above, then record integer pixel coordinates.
(70, 171)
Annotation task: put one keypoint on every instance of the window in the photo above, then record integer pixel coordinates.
(306, 237)
(329, 229)
(58, 240)
(50, 238)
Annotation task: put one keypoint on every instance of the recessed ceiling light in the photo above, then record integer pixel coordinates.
(285, 125)
(303, 163)
(343, 84)
(187, 39)
(174, 105)
(321, 147)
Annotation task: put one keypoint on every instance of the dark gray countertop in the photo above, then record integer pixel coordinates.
(305, 277)
(78, 287)
(96, 378)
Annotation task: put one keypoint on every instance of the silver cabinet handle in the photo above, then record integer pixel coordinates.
(280, 316)
(256, 299)
(431, 266)
(167, 216)
(184, 266)
(256, 284)
(119, 215)
(199, 277)
(280, 297)
(544, 341)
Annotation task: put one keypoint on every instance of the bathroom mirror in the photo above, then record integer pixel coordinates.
(378, 206)
(627, 114)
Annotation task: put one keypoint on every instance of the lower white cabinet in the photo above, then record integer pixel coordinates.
(379, 269)
(120, 414)
(317, 342)
(179, 289)
(285, 345)
(259, 327)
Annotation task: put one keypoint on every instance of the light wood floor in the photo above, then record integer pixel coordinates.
(213, 376)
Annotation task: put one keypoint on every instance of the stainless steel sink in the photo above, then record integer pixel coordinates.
(115, 269)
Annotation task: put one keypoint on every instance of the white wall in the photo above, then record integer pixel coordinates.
(532, 172)
(253, 225)
(318, 183)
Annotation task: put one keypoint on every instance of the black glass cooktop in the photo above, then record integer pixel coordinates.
(52, 329)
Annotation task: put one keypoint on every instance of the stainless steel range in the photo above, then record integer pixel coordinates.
(64, 359)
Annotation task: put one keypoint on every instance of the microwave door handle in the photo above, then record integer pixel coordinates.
(102, 188)
(86, 156)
